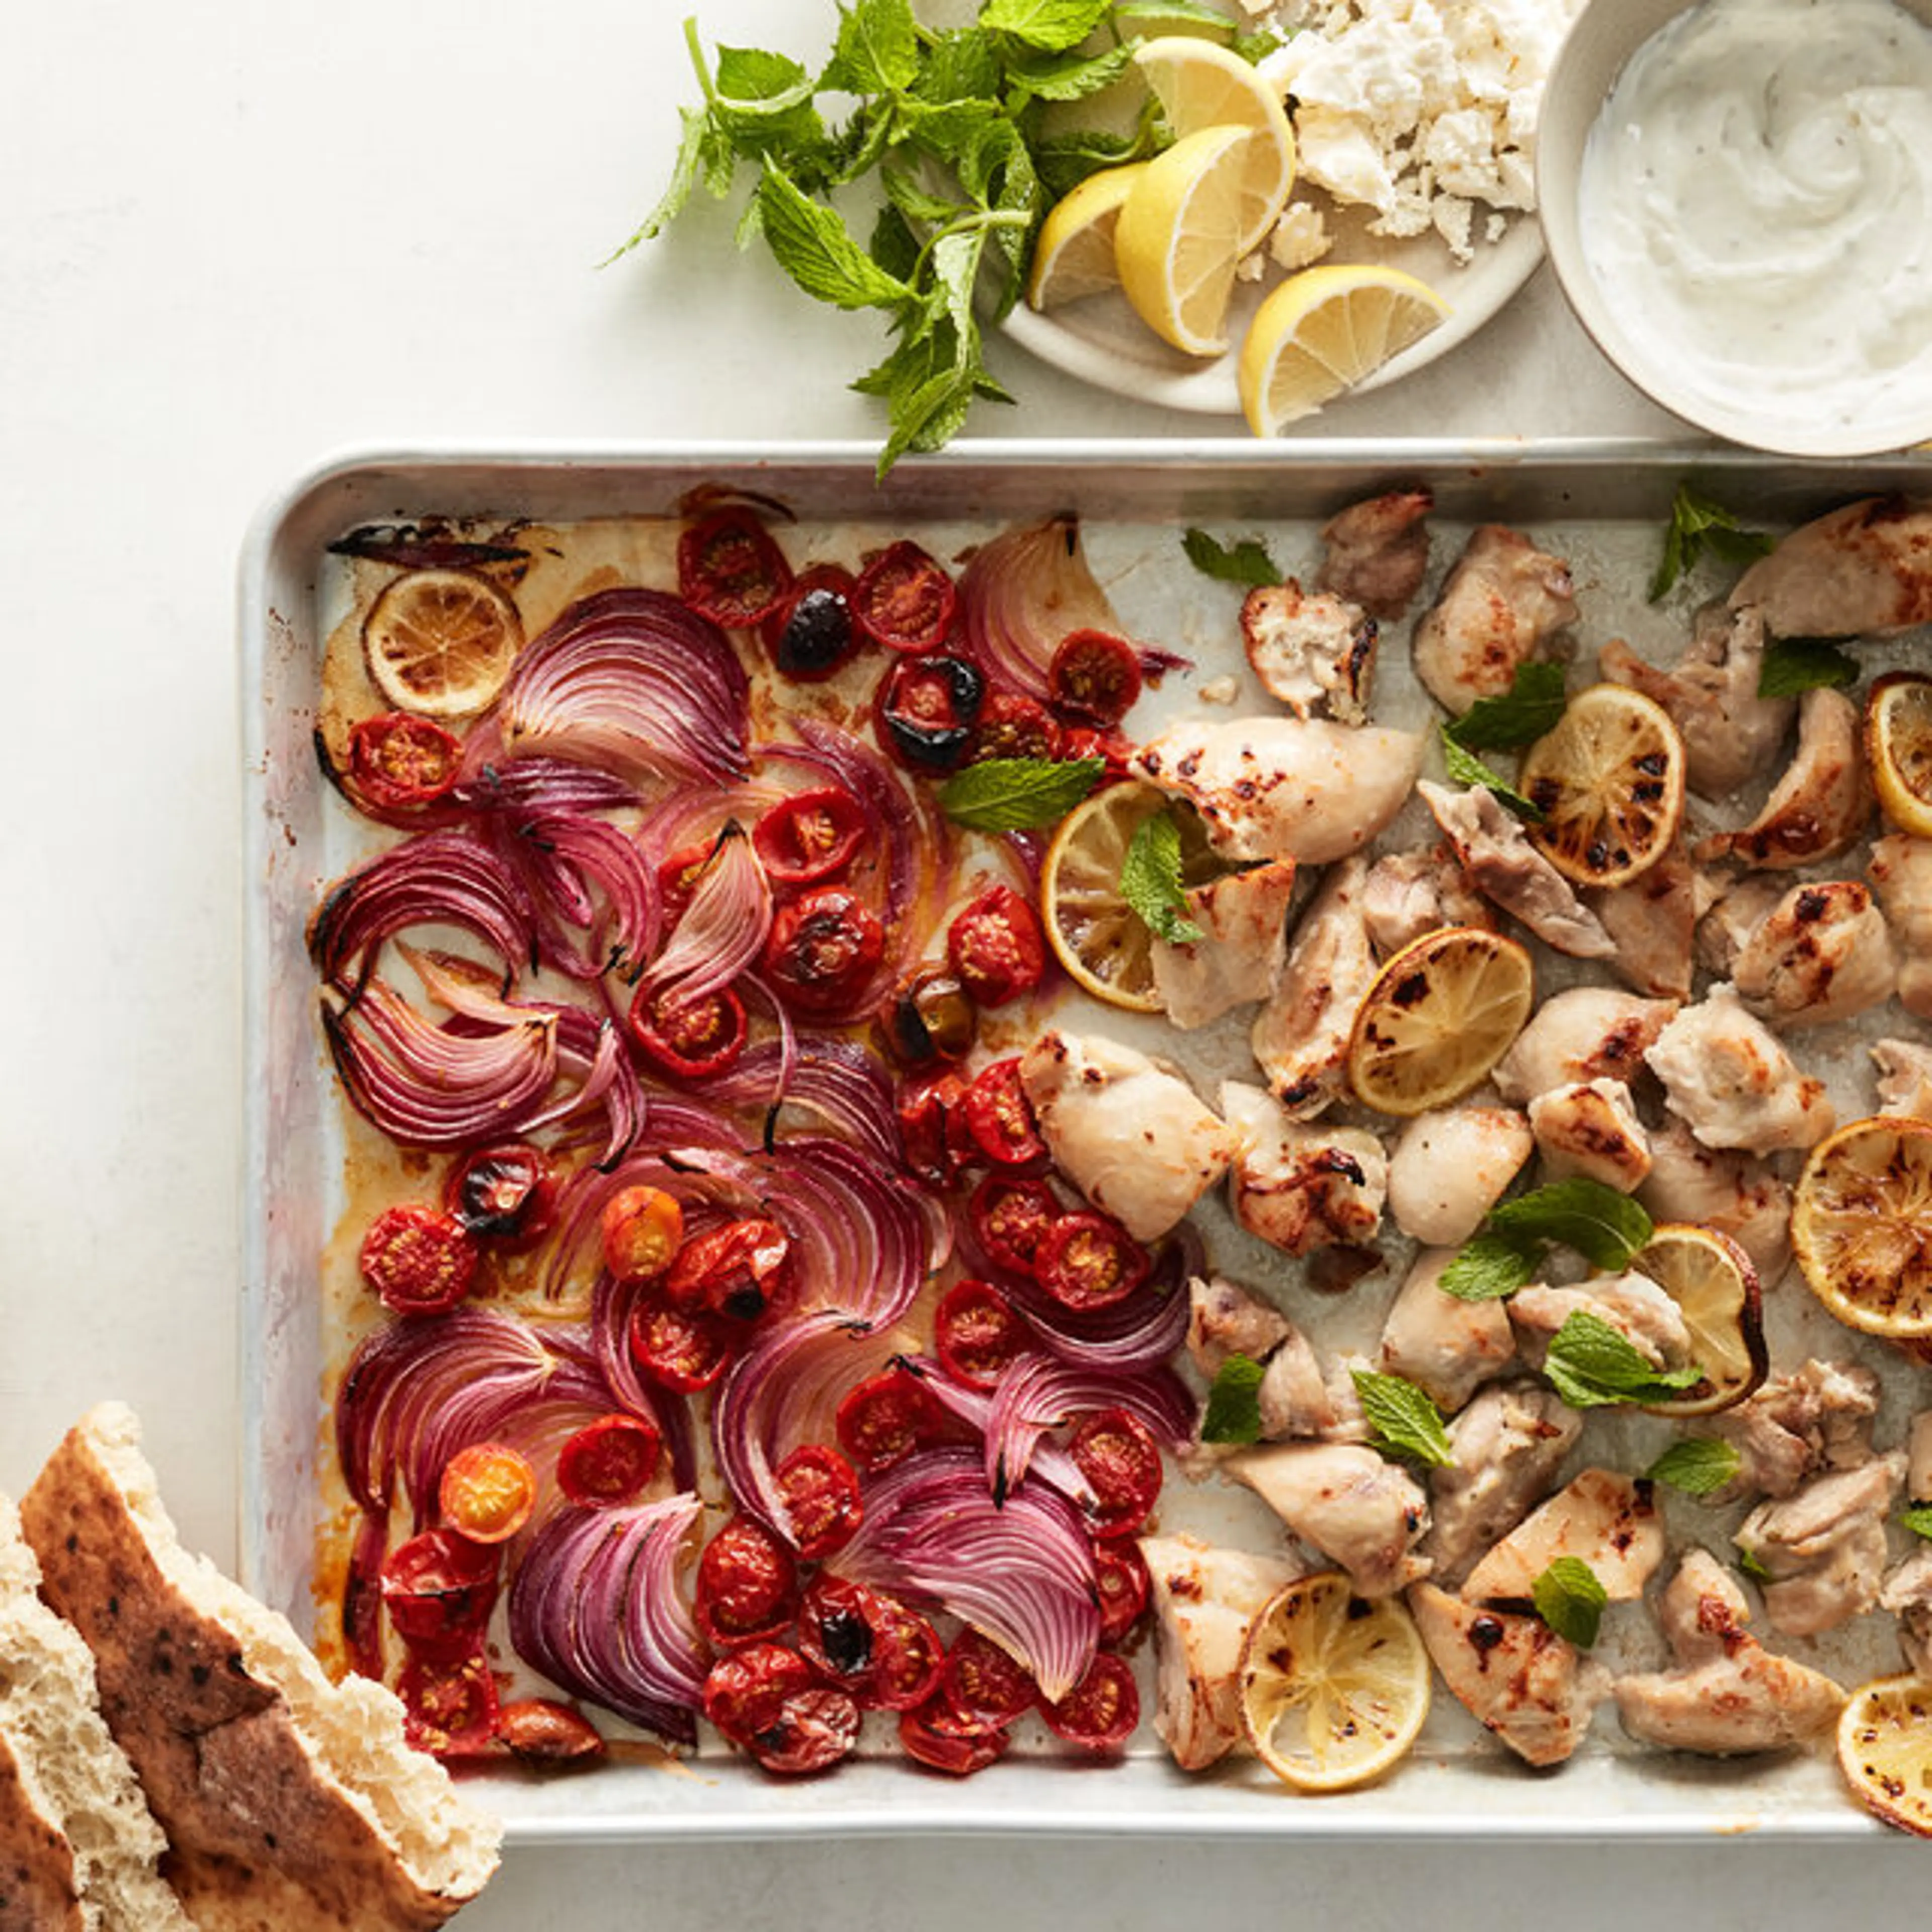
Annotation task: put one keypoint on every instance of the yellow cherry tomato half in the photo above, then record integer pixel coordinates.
(488, 1492)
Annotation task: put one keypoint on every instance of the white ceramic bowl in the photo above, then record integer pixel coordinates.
(1606, 34)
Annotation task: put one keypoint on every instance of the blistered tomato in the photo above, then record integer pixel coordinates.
(996, 947)
(729, 569)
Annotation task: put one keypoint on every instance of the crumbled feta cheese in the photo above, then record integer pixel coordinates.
(1219, 690)
(1300, 237)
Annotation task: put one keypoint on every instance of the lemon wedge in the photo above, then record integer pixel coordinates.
(1324, 330)
(1074, 257)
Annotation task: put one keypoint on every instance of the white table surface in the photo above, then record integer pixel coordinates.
(234, 237)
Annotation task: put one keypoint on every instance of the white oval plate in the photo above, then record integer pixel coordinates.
(1102, 342)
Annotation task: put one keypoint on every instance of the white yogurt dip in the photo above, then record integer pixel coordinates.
(1755, 207)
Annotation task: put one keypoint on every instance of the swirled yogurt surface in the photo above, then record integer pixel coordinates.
(1755, 207)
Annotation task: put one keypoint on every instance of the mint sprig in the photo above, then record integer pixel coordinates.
(1918, 1519)
(1245, 561)
(1234, 1412)
(1592, 1365)
(1464, 768)
(1698, 524)
(1405, 1422)
(1150, 881)
(1530, 708)
(1698, 1465)
(1570, 1596)
(1792, 666)
(1017, 794)
(1608, 1229)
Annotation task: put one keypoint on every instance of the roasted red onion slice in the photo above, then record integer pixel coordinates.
(723, 929)
(521, 788)
(973, 1407)
(595, 1605)
(587, 875)
(633, 679)
(1036, 1393)
(835, 1080)
(1021, 593)
(1020, 1571)
(1143, 1331)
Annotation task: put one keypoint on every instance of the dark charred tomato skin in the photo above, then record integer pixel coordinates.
(977, 1333)
(932, 1132)
(982, 1684)
(747, 1585)
(1122, 1583)
(397, 760)
(1121, 1461)
(886, 1656)
(999, 1116)
(933, 1737)
(744, 1691)
(820, 1490)
(438, 1588)
(885, 1418)
(689, 1039)
(904, 600)
(931, 1017)
(996, 947)
(1086, 1260)
(681, 1349)
(419, 1260)
(610, 1462)
(1010, 1218)
(1100, 1712)
(737, 1269)
(729, 568)
(541, 1731)
(926, 709)
(810, 836)
(812, 635)
(505, 1191)
(449, 1703)
(812, 1731)
(823, 950)
(1013, 725)
(1094, 678)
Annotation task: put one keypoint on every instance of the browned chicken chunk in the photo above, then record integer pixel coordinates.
(1508, 1445)
(1377, 551)
(1819, 809)
(1503, 601)
(1864, 570)
(1313, 652)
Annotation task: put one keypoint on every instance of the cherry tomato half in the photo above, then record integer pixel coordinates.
(449, 1703)
(1088, 1261)
(1114, 751)
(643, 1229)
(1121, 1581)
(820, 1491)
(438, 1589)
(1010, 1218)
(976, 1332)
(810, 835)
(541, 1731)
(738, 1268)
(1099, 1713)
(397, 760)
(983, 1684)
(682, 1349)
(487, 1491)
(888, 1657)
(904, 600)
(996, 947)
(823, 950)
(926, 709)
(931, 1130)
(999, 1116)
(885, 1418)
(1014, 726)
(744, 1691)
(747, 1585)
(1094, 678)
(931, 1017)
(1121, 1461)
(689, 1039)
(505, 1191)
(933, 1736)
(811, 1731)
(609, 1462)
(419, 1260)
(679, 876)
(812, 633)
(729, 569)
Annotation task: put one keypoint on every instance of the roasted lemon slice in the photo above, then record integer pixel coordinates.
(1715, 1287)
(1898, 747)
(1074, 257)
(1609, 780)
(1862, 1225)
(1334, 1688)
(1884, 1749)
(440, 642)
(1442, 1013)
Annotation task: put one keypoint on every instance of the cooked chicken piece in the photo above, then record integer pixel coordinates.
(1918, 1458)
(1632, 1304)
(1652, 921)
(1509, 1444)
(1507, 869)
(1299, 1400)
(1728, 1694)
(1361, 1512)
(1590, 1127)
(1587, 1033)
(1823, 1549)
(1451, 1167)
(1244, 917)
(1300, 1037)
(1204, 1600)
(1132, 1137)
(1904, 1077)
(1862, 570)
(1227, 1319)
(1727, 1077)
(1608, 1521)
(1300, 1188)
(1732, 1192)
(1729, 732)
(1284, 788)
(1740, 906)
(1907, 1591)
(1900, 870)
(1816, 1419)
(1513, 1674)
(1822, 954)
(1410, 893)
(1378, 551)
(1446, 1347)
(1313, 652)
(1820, 807)
(1502, 602)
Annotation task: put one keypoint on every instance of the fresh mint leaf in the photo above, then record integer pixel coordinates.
(1054, 26)
(1071, 76)
(1530, 708)
(1405, 1422)
(1166, 14)
(1792, 666)
(1065, 159)
(762, 104)
(1570, 1596)
(1464, 768)
(1592, 1365)
(1256, 47)
(1233, 1411)
(813, 247)
(876, 51)
(1918, 1519)
(685, 171)
(1150, 881)
(1245, 561)
(1697, 524)
(1748, 1563)
(962, 64)
(1490, 1267)
(1605, 1226)
(1698, 1465)
(894, 246)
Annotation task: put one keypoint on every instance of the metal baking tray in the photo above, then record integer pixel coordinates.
(1608, 500)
